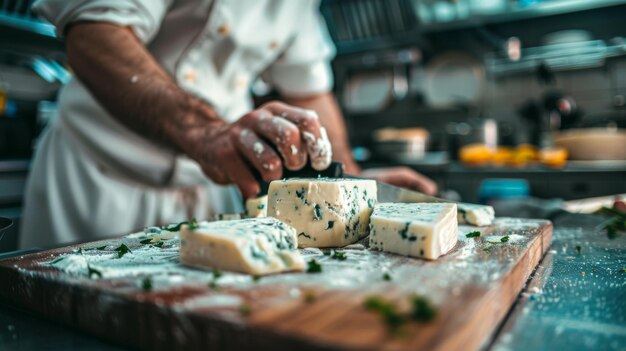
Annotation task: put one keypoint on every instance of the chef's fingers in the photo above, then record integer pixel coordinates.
(281, 133)
(423, 184)
(231, 164)
(313, 134)
(416, 181)
(259, 154)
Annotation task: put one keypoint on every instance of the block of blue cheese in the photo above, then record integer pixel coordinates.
(422, 230)
(254, 246)
(256, 207)
(326, 212)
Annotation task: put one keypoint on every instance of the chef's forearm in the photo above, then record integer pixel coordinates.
(133, 87)
(331, 117)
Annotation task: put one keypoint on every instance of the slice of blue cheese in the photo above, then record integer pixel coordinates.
(326, 212)
(479, 215)
(256, 207)
(254, 246)
(423, 230)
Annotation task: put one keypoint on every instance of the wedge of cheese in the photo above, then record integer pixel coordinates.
(326, 212)
(256, 207)
(479, 215)
(423, 230)
(254, 246)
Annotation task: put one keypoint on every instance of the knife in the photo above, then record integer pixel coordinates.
(479, 215)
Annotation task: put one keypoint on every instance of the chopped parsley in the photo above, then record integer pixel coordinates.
(616, 223)
(313, 267)
(339, 255)
(386, 277)
(146, 284)
(256, 278)
(193, 224)
(261, 206)
(122, 250)
(578, 249)
(387, 310)
(624, 270)
(159, 245)
(474, 234)
(92, 271)
(146, 241)
(487, 249)
(308, 297)
(422, 310)
(245, 309)
(217, 274)
(327, 252)
(504, 239)
(175, 227)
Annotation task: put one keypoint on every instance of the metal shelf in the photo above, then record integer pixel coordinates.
(535, 11)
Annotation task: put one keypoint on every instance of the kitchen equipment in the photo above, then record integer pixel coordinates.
(401, 145)
(452, 79)
(473, 287)
(369, 91)
(593, 143)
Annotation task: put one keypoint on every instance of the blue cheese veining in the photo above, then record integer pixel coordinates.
(253, 246)
(423, 230)
(256, 207)
(326, 212)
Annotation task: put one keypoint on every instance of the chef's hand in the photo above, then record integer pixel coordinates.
(403, 177)
(265, 139)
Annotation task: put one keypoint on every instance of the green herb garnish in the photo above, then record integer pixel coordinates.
(327, 252)
(92, 271)
(146, 284)
(216, 275)
(386, 277)
(474, 234)
(256, 278)
(146, 241)
(122, 250)
(339, 255)
(314, 267)
(245, 309)
(617, 222)
(387, 310)
(422, 309)
(159, 245)
(487, 249)
(505, 239)
(260, 206)
(578, 249)
(193, 224)
(308, 297)
(174, 227)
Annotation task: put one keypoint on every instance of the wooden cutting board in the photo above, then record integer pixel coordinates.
(473, 288)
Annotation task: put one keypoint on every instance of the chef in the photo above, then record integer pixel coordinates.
(158, 125)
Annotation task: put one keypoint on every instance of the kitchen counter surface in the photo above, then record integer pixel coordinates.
(574, 301)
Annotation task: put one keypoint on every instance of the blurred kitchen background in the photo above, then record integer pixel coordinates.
(494, 99)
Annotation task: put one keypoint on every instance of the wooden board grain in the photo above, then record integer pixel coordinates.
(473, 289)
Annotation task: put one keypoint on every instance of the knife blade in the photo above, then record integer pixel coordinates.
(475, 214)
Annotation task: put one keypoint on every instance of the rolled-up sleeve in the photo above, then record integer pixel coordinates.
(143, 16)
(304, 68)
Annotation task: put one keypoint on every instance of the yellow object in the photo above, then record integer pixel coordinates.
(553, 157)
(476, 154)
(503, 156)
(3, 101)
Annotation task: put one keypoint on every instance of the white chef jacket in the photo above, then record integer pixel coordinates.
(92, 177)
